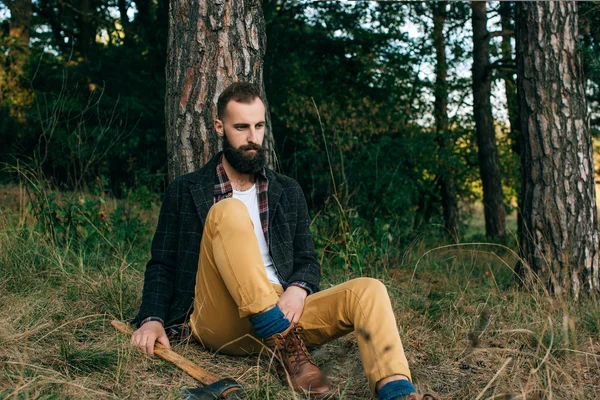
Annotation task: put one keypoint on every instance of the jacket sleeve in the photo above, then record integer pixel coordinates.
(306, 265)
(160, 270)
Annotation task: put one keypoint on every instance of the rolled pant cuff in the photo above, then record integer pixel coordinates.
(259, 305)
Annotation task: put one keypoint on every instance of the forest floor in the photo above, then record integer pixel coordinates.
(76, 263)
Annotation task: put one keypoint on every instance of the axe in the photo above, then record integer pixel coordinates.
(214, 388)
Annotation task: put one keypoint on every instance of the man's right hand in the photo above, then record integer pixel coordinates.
(148, 334)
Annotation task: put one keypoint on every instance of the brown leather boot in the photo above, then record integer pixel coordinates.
(293, 359)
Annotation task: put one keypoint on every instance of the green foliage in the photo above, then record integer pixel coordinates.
(589, 15)
(67, 218)
(97, 107)
(85, 360)
(90, 107)
(591, 320)
(382, 164)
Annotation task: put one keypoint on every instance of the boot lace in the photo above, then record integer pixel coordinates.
(295, 349)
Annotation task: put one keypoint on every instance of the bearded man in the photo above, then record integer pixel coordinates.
(233, 262)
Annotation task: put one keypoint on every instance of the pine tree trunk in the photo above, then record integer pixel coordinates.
(507, 16)
(493, 196)
(212, 43)
(559, 239)
(510, 86)
(446, 173)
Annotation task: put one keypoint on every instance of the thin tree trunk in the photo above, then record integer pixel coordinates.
(142, 21)
(12, 72)
(559, 240)
(507, 15)
(212, 43)
(493, 196)
(123, 6)
(87, 31)
(447, 184)
(510, 86)
(20, 21)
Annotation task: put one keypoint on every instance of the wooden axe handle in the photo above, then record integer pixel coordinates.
(189, 367)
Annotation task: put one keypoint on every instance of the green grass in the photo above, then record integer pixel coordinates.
(465, 326)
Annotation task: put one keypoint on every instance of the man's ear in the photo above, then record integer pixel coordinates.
(219, 127)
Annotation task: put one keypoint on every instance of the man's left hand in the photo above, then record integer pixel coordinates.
(291, 303)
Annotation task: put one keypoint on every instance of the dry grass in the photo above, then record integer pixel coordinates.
(468, 332)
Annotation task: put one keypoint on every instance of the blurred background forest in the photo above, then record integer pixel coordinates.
(82, 91)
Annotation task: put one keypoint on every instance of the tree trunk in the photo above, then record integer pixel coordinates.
(507, 17)
(123, 6)
(12, 72)
(510, 86)
(493, 197)
(212, 43)
(142, 21)
(87, 29)
(20, 21)
(446, 174)
(559, 239)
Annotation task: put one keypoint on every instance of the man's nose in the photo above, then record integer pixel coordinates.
(252, 135)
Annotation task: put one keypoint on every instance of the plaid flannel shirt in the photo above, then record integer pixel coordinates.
(224, 190)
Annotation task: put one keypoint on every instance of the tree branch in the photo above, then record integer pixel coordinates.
(504, 32)
(503, 63)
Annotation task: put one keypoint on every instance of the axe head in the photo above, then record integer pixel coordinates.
(224, 389)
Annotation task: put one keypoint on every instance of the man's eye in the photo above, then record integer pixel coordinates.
(260, 126)
(240, 128)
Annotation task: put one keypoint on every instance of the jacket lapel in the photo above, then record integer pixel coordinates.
(202, 194)
(203, 191)
(274, 193)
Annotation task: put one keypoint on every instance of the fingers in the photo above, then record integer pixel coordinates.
(296, 318)
(150, 340)
(144, 341)
(164, 340)
(147, 335)
(292, 312)
(136, 340)
(293, 317)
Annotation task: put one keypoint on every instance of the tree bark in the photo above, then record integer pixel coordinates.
(559, 239)
(493, 196)
(212, 43)
(510, 86)
(446, 173)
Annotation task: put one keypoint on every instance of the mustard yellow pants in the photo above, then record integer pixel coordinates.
(232, 285)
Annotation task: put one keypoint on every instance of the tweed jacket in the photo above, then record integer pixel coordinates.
(170, 275)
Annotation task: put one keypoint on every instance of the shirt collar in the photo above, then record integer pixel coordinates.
(222, 183)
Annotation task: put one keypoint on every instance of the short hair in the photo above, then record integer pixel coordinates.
(242, 92)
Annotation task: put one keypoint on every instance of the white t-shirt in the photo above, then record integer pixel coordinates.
(250, 199)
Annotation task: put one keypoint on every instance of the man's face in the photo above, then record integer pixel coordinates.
(243, 131)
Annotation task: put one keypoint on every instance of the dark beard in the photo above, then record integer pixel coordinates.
(241, 162)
